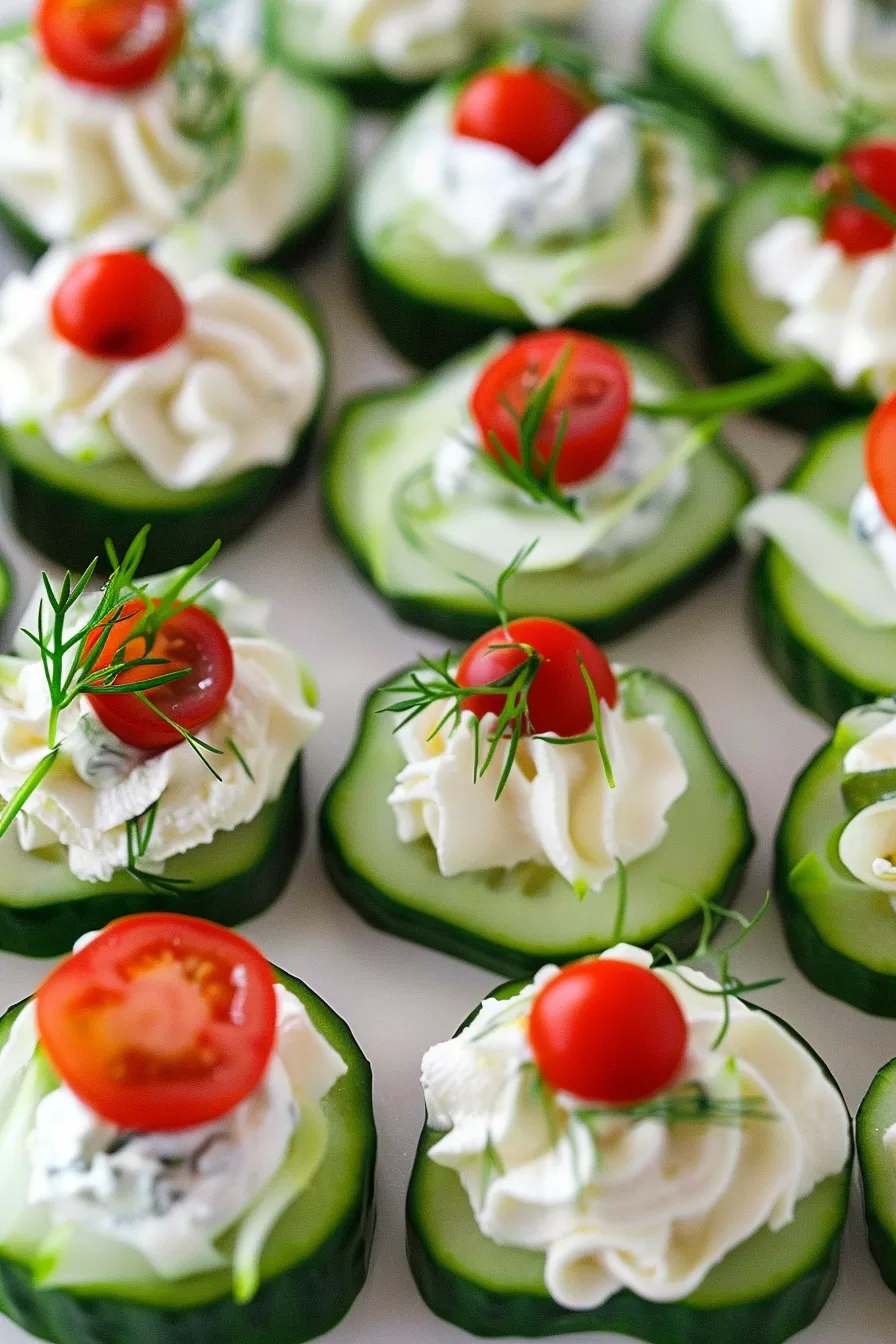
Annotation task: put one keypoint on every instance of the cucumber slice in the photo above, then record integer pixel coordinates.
(313, 1265)
(690, 41)
(876, 1114)
(841, 934)
(239, 874)
(766, 1289)
(744, 322)
(828, 661)
(514, 921)
(383, 438)
(67, 509)
(430, 306)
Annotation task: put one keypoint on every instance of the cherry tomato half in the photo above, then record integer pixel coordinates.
(191, 638)
(857, 230)
(880, 456)
(609, 1032)
(117, 305)
(593, 392)
(162, 1022)
(558, 699)
(111, 44)
(524, 109)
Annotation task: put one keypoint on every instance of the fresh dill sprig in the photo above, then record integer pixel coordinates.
(139, 833)
(241, 759)
(692, 1103)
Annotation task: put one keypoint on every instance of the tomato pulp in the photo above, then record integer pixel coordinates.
(161, 1023)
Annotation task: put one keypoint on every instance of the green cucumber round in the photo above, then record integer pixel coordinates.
(742, 337)
(371, 453)
(67, 509)
(430, 306)
(827, 660)
(514, 921)
(690, 42)
(767, 1289)
(238, 875)
(313, 1266)
(878, 1167)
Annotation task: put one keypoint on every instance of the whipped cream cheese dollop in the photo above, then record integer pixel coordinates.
(75, 159)
(868, 843)
(98, 784)
(557, 807)
(841, 309)
(233, 392)
(616, 1201)
(417, 39)
(170, 1195)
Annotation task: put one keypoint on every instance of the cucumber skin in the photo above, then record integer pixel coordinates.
(51, 930)
(880, 1241)
(381, 912)
(290, 1308)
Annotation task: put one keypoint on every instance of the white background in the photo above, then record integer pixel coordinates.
(399, 998)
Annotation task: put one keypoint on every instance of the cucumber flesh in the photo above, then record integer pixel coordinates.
(67, 509)
(766, 1289)
(383, 439)
(828, 660)
(514, 921)
(878, 1167)
(313, 1265)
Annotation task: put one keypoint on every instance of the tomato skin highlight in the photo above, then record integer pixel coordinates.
(161, 1023)
(558, 699)
(608, 1032)
(110, 44)
(858, 231)
(191, 638)
(117, 305)
(594, 392)
(527, 110)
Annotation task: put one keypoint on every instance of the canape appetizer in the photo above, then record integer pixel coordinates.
(543, 805)
(135, 112)
(876, 1145)
(187, 1145)
(804, 265)
(149, 756)
(835, 878)
(533, 193)
(825, 582)
(788, 75)
(626, 1147)
(385, 51)
(556, 436)
(161, 388)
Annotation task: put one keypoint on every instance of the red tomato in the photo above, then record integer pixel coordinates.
(527, 110)
(111, 44)
(117, 305)
(608, 1032)
(594, 391)
(856, 230)
(558, 699)
(190, 638)
(161, 1023)
(880, 456)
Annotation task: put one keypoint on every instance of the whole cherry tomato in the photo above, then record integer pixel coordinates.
(525, 109)
(111, 44)
(858, 230)
(117, 305)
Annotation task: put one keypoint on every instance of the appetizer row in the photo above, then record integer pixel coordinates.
(624, 1144)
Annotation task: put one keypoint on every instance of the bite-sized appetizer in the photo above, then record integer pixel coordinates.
(876, 1145)
(804, 265)
(825, 581)
(556, 436)
(787, 74)
(533, 193)
(161, 388)
(135, 112)
(186, 1148)
(384, 51)
(528, 802)
(835, 876)
(626, 1147)
(149, 756)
